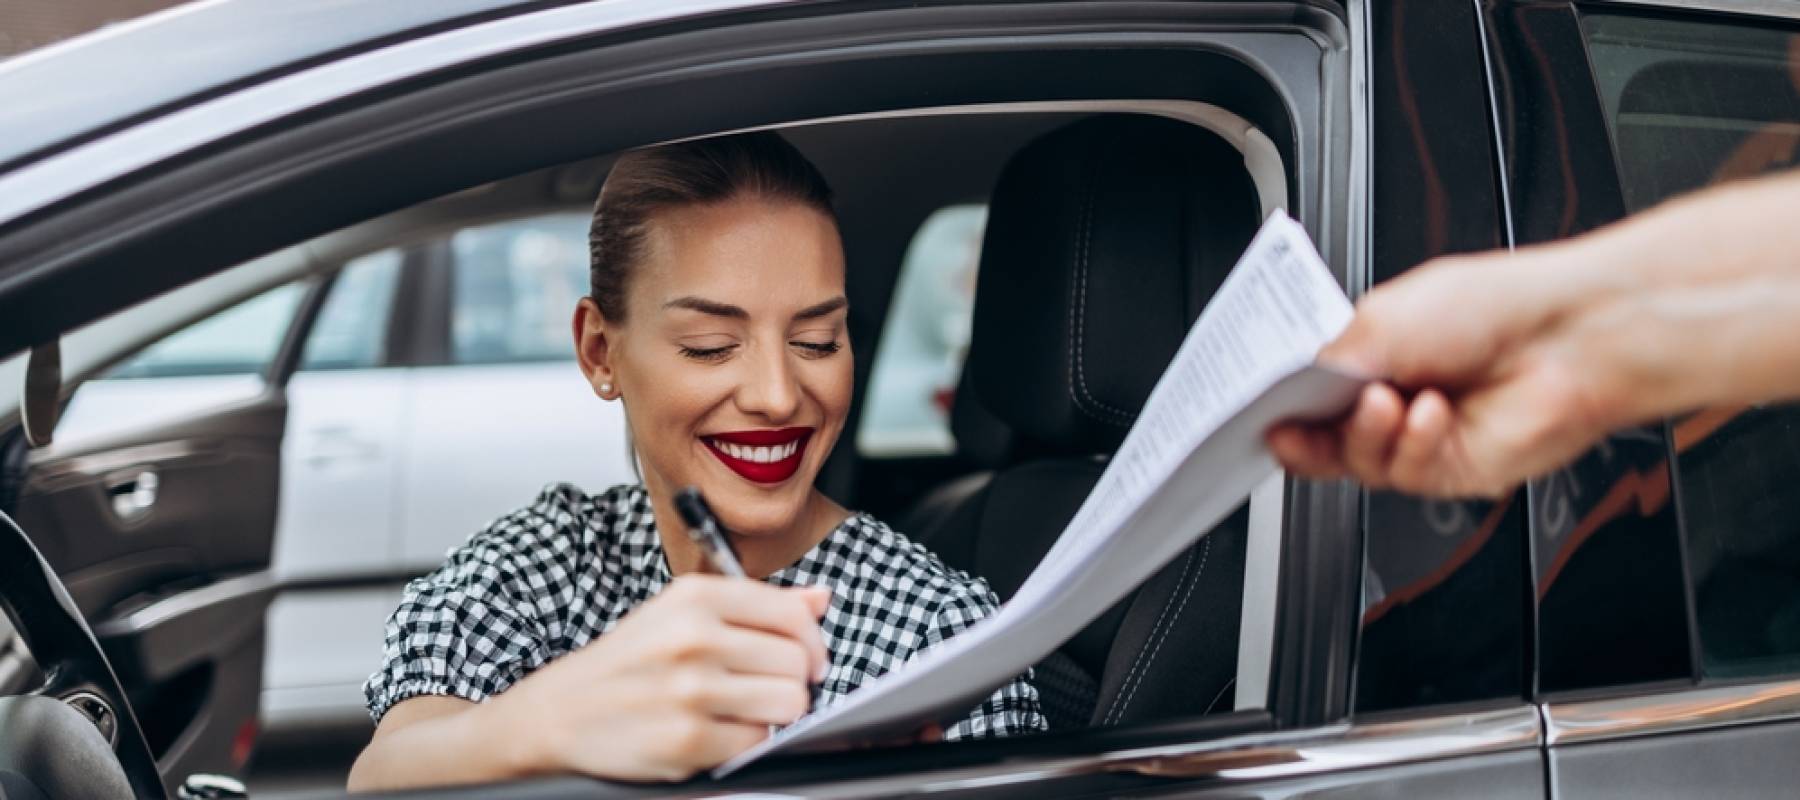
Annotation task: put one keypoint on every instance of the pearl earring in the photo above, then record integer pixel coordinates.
(605, 389)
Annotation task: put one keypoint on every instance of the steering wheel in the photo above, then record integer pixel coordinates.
(75, 736)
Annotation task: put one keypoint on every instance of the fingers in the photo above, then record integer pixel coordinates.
(1416, 463)
(1308, 450)
(686, 743)
(1384, 442)
(1369, 432)
(756, 699)
(754, 652)
(791, 613)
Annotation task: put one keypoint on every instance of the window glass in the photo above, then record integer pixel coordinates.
(240, 340)
(515, 287)
(925, 339)
(352, 329)
(1692, 104)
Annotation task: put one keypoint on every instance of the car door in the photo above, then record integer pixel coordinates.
(1294, 72)
(338, 516)
(1664, 561)
(156, 503)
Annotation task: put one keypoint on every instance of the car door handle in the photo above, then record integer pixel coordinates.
(339, 444)
(133, 492)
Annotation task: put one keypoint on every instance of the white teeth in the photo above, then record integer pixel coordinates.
(760, 455)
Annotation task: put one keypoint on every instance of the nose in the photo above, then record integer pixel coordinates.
(769, 389)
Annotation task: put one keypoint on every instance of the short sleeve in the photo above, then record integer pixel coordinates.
(1010, 710)
(469, 629)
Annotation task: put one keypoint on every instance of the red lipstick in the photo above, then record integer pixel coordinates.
(762, 456)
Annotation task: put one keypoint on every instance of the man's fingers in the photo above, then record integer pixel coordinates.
(1369, 433)
(1417, 465)
(1309, 451)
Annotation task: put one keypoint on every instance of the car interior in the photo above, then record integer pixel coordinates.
(1107, 235)
(1110, 224)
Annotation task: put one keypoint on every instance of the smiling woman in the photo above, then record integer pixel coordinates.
(577, 634)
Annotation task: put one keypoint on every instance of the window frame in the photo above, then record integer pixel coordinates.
(1312, 651)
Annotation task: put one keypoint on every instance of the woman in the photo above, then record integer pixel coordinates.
(579, 634)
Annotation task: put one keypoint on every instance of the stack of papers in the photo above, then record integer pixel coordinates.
(1192, 457)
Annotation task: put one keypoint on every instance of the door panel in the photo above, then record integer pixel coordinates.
(163, 536)
(1746, 761)
(337, 509)
(484, 439)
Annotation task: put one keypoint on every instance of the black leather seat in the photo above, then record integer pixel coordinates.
(1105, 239)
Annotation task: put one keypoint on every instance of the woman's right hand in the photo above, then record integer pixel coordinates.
(687, 680)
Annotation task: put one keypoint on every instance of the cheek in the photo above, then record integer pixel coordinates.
(833, 383)
(665, 400)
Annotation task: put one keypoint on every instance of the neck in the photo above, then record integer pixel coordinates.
(760, 555)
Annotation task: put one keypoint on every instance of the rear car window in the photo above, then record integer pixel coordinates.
(351, 331)
(514, 289)
(925, 339)
(1693, 104)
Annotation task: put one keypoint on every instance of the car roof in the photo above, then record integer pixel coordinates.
(72, 90)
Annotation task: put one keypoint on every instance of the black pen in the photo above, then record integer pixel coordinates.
(705, 530)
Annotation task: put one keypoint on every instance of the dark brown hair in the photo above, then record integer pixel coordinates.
(645, 182)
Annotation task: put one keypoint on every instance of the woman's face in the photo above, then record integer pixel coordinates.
(733, 361)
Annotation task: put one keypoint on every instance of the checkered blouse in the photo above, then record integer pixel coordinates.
(546, 579)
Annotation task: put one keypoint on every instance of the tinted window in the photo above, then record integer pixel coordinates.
(240, 340)
(351, 331)
(925, 339)
(1691, 104)
(515, 286)
(1444, 593)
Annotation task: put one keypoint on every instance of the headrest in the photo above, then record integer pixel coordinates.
(1105, 238)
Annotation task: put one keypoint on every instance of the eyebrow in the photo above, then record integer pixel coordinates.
(719, 309)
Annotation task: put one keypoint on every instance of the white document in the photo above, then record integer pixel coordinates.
(1192, 457)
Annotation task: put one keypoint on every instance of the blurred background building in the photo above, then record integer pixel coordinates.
(30, 24)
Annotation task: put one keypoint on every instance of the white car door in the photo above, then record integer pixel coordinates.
(511, 412)
(337, 517)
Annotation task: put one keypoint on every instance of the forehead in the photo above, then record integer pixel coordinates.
(743, 250)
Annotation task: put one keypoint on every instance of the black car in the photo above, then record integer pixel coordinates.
(1629, 625)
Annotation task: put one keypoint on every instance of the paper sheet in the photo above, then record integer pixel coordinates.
(1192, 457)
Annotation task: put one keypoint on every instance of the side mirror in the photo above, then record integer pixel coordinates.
(42, 401)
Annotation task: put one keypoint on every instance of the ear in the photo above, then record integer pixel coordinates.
(593, 348)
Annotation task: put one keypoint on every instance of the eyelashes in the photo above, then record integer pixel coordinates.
(714, 355)
(818, 349)
(708, 355)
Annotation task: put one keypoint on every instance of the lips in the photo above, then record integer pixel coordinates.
(765, 456)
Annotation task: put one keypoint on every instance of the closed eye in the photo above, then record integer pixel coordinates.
(817, 349)
(708, 354)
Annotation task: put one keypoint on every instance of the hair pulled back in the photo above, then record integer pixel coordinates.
(645, 182)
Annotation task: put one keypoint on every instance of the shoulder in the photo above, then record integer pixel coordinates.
(897, 565)
(559, 528)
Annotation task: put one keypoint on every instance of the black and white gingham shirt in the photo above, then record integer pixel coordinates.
(544, 580)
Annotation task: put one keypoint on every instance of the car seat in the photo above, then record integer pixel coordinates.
(1105, 239)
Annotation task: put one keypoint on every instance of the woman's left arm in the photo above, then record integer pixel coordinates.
(1012, 709)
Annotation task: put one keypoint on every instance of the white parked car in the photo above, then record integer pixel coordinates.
(434, 388)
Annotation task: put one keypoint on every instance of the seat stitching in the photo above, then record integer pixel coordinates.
(1205, 551)
(1159, 634)
(1078, 314)
(1219, 696)
(1186, 563)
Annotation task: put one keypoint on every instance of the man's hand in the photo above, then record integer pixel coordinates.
(1500, 367)
(1484, 387)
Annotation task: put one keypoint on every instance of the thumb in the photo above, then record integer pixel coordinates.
(818, 598)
